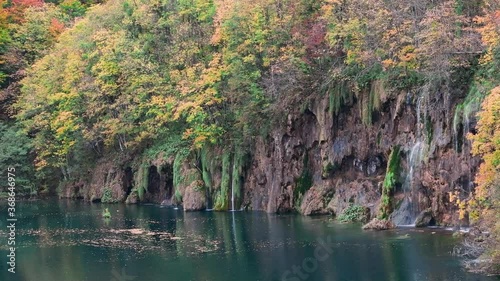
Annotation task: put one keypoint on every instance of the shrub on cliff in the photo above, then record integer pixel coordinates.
(354, 213)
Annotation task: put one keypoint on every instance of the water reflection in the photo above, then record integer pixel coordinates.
(67, 240)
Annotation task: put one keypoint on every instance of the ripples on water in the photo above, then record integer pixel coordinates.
(67, 240)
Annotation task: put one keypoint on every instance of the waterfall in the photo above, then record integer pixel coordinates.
(407, 212)
(414, 161)
(208, 199)
(457, 118)
(233, 182)
(232, 197)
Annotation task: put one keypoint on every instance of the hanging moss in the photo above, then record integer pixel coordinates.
(428, 130)
(142, 181)
(379, 137)
(339, 95)
(178, 196)
(206, 167)
(304, 182)
(178, 177)
(334, 101)
(393, 166)
(390, 181)
(221, 200)
(366, 107)
(371, 100)
(328, 169)
(377, 90)
(237, 173)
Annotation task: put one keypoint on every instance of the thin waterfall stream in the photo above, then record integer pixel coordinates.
(408, 210)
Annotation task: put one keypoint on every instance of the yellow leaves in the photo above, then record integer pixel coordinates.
(329, 7)
(453, 196)
(407, 54)
(185, 107)
(142, 136)
(74, 69)
(199, 141)
(487, 138)
(486, 143)
(249, 59)
(333, 2)
(40, 163)
(64, 123)
(490, 33)
(63, 117)
(188, 133)
(362, 29)
(388, 63)
(266, 62)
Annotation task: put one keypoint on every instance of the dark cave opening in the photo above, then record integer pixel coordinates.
(153, 180)
(168, 176)
(127, 180)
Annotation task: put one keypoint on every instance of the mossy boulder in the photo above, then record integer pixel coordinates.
(132, 198)
(424, 218)
(188, 184)
(379, 224)
(194, 196)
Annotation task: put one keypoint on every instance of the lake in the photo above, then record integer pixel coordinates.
(69, 240)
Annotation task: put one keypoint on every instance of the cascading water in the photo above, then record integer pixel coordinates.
(457, 120)
(461, 123)
(233, 183)
(208, 200)
(232, 197)
(464, 116)
(408, 210)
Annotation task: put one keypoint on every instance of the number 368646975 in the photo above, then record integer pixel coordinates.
(11, 181)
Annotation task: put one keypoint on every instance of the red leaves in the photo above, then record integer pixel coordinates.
(56, 27)
(311, 33)
(315, 41)
(27, 3)
(18, 7)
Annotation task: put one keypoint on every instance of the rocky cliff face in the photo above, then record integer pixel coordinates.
(346, 160)
(318, 162)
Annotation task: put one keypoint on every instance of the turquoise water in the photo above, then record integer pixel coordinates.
(68, 240)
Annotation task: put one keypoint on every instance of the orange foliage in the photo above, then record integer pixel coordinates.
(486, 142)
(18, 7)
(490, 33)
(56, 27)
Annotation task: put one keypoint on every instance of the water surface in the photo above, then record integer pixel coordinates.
(63, 240)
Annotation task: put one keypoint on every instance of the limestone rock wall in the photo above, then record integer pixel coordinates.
(347, 159)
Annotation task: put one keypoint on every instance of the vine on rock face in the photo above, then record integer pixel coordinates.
(389, 184)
